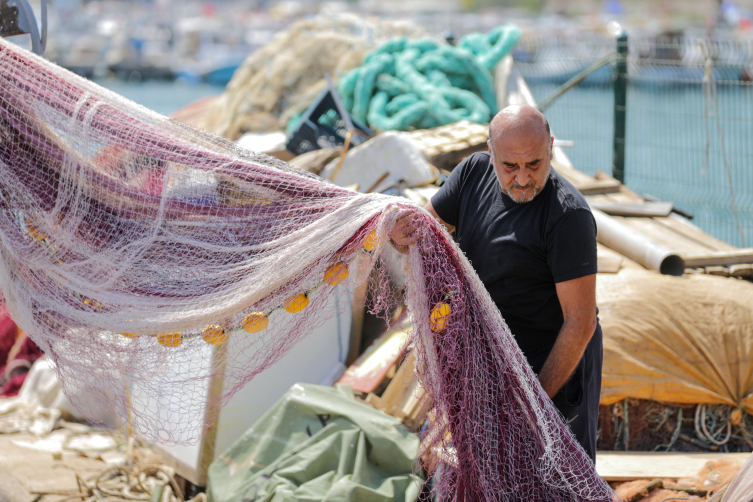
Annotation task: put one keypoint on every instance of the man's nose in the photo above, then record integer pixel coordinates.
(521, 177)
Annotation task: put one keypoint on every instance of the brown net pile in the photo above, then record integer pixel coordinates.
(285, 76)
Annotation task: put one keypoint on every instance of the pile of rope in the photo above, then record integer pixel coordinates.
(284, 77)
(152, 482)
(641, 425)
(161, 268)
(424, 83)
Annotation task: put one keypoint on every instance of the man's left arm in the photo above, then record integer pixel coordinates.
(578, 300)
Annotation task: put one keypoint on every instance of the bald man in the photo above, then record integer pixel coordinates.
(531, 237)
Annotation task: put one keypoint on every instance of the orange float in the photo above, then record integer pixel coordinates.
(336, 273)
(170, 339)
(296, 303)
(214, 334)
(255, 322)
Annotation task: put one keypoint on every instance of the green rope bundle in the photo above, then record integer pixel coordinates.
(424, 83)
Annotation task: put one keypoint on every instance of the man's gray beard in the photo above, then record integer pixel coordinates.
(535, 193)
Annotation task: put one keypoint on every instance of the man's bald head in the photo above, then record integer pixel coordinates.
(518, 120)
(520, 145)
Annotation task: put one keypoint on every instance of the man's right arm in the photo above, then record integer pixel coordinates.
(404, 232)
(432, 212)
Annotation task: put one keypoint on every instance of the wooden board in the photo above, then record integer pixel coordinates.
(404, 397)
(677, 242)
(684, 227)
(632, 209)
(719, 258)
(629, 465)
(368, 371)
(446, 146)
(614, 198)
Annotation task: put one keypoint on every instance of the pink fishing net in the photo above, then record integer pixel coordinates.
(158, 266)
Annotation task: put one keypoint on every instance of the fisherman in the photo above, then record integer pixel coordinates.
(531, 237)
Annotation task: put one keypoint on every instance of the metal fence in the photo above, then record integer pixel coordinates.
(689, 136)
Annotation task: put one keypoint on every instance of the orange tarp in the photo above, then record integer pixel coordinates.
(682, 339)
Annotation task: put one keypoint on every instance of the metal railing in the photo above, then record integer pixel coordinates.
(688, 134)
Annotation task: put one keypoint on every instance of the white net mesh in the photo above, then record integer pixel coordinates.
(150, 259)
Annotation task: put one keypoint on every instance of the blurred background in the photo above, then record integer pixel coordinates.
(689, 92)
(198, 45)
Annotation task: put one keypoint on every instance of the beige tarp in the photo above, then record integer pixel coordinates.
(682, 339)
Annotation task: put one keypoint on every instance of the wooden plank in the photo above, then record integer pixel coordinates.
(597, 187)
(682, 226)
(717, 270)
(395, 394)
(404, 397)
(673, 240)
(741, 270)
(652, 209)
(587, 185)
(629, 465)
(372, 366)
(363, 269)
(617, 198)
(718, 258)
(212, 413)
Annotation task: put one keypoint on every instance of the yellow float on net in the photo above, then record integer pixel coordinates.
(440, 316)
(336, 273)
(34, 231)
(94, 304)
(170, 339)
(255, 322)
(296, 303)
(371, 241)
(214, 334)
(129, 335)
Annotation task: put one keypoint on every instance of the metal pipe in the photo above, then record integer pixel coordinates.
(636, 246)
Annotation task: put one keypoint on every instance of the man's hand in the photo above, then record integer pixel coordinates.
(403, 234)
(578, 300)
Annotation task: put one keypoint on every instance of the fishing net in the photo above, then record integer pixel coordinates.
(285, 76)
(151, 261)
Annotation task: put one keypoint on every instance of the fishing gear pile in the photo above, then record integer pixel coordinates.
(151, 260)
(424, 83)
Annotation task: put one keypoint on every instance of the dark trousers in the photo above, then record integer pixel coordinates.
(578, 400)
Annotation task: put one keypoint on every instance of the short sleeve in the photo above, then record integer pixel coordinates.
(571, 246)
(446, 202)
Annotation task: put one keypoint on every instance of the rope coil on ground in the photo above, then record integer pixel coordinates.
(118, 484)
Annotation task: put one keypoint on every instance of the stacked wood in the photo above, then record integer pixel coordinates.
(404, 397)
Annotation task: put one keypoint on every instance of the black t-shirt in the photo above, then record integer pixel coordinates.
(520, 251)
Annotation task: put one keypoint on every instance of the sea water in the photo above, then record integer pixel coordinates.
(163, 97)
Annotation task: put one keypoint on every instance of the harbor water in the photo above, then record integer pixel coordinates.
(164, 97)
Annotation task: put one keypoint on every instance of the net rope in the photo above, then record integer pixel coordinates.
(151, 260)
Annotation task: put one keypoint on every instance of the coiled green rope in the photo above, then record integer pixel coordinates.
(424, 83)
